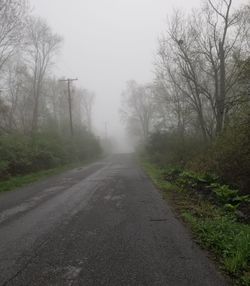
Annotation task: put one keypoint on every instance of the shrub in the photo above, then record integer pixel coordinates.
(22, 154)
(231, 152)
(225, 194)
(228, 156)
(172, 148)
(4, 167)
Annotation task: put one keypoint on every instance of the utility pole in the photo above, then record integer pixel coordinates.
(106, 130)
(69, 80)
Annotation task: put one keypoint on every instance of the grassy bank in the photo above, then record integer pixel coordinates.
(25, 159)
(212, 214)
(20, 181)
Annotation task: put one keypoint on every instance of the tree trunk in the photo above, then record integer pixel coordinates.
(220, 103)
(35, 117)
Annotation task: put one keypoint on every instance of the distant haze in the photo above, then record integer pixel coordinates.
(106, 43)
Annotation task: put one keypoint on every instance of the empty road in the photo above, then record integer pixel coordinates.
(105, 224)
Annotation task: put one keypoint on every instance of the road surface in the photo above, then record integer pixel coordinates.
(104, 224)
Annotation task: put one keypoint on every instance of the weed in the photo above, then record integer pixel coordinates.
(216, 227)
(229, 197)
(229, 239)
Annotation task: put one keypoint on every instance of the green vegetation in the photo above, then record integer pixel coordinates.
(25, 159)
(227, 156)
(226, 237)
(45, 122)
(204, 204)
(20, 181)
(192, 122)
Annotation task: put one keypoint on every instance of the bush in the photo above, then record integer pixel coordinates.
(228, 156)
(172, 148)
(16, 151)
(22, 154)
(4, 167)
(231, 153)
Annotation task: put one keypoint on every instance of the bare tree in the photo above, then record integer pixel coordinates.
(42, 45)
(224, 46)
(200, 55)
(178, 69)
(12, 22)
(87, 100)
(138, 108)
(173, 108)
(17, 88)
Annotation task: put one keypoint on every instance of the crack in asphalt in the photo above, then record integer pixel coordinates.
(31, 258)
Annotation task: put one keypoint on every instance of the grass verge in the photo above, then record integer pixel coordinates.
(20, 181)
(216, 230)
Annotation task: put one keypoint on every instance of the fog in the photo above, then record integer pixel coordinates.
(107, 43)
(118, 118)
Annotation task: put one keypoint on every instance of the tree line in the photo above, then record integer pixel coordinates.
(34, 103)
(196, 112)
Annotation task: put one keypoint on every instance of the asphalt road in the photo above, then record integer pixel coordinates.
(104, 224)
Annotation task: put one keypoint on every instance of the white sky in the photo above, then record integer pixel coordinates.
(106, 43)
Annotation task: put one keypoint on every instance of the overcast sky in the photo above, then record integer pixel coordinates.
(106, 43)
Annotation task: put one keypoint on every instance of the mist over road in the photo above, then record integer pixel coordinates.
(104, 224)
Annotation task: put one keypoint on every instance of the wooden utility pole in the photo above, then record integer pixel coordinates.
(69, 80)
(106, 130)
